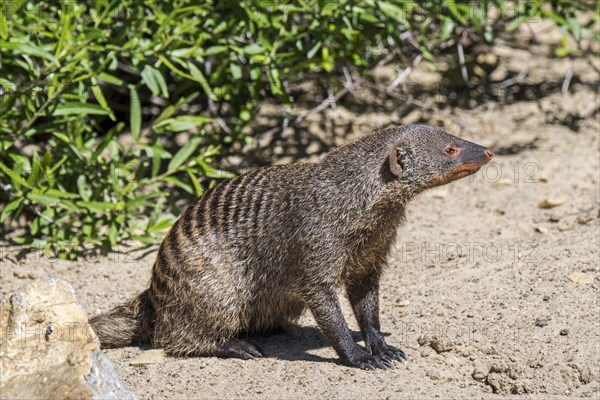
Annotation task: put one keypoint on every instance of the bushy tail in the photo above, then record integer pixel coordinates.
(126, 325)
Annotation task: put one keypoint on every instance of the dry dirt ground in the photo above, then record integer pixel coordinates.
(490, 295)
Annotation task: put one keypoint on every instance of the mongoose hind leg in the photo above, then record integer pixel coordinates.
(238, 348)
(364, 298)
(326, 309)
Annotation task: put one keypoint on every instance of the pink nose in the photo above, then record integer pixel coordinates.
(489, 153)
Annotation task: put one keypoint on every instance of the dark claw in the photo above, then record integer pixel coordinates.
(391, 352)
(386, 360)
(367, 366)
(397, 354)
(237, 348)
(370, 362)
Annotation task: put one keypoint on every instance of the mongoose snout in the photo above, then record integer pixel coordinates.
(254, 252)
(457, 159)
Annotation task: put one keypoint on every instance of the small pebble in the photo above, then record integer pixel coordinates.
(552, 202)
(541, 322)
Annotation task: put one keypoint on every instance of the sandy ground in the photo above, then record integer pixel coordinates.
(490, 295)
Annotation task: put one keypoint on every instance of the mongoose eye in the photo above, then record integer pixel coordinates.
(452, 151)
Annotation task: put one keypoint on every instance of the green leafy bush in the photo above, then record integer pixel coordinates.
(110, 108)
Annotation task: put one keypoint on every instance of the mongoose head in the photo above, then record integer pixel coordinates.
(425, 157)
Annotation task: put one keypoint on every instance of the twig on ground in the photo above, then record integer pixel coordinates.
(422, 104)
(594, 66)
(402, 76)
(7, 190)
(330, 99)
(223, 125)
(513, 80)
(567, 82)
(350, 85)
(388, 58)
(461, 60)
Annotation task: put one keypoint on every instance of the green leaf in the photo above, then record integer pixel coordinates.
(82, 187)
(108, 78)
(236, 71)
(162, 224)
(100, 206)
(36, 171)
(14, 176)
(182, 123)
(20, 239)
(197, 186)
(34, 227)
(160, 79)
(11, 206)
(276, 86)
(179, 183)
(113, 233)
(393, 11)
(141, 200)
(213, 50)
(253, 49)
(61, 194)
(214, 173)
(447, 29)
(3, 30)
(183, 154)
(314, 50)
(575, 27)
(26, 49)
(135, 112)
(150, 80)
(197, 78)
(107, 139)
(43, 199)
(101, 99)
(75, 108)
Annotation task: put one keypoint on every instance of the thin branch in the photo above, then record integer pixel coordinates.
(567, 82)
(349, 85)
(389, 57)
(591, 63)
(402, 76)
(223, 125)
(421, 104)
(7, 190)
(461, 60)
(513, 80)
(38, 113)
(331, 99)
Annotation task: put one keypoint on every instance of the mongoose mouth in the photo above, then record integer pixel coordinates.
(464, 169)
(457, 173)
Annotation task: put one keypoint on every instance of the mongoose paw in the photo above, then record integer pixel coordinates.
(370, 362)
(390, 351)
(237, 348)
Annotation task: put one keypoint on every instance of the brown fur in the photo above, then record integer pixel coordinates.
(251, 254)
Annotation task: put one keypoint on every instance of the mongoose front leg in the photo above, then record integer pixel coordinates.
(364, 297)
(326, 309)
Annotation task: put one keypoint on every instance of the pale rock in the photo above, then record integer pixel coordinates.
(48, 349)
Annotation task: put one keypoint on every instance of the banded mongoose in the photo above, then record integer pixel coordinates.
(254, 252)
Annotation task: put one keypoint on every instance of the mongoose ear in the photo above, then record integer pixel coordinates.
(395, 165)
